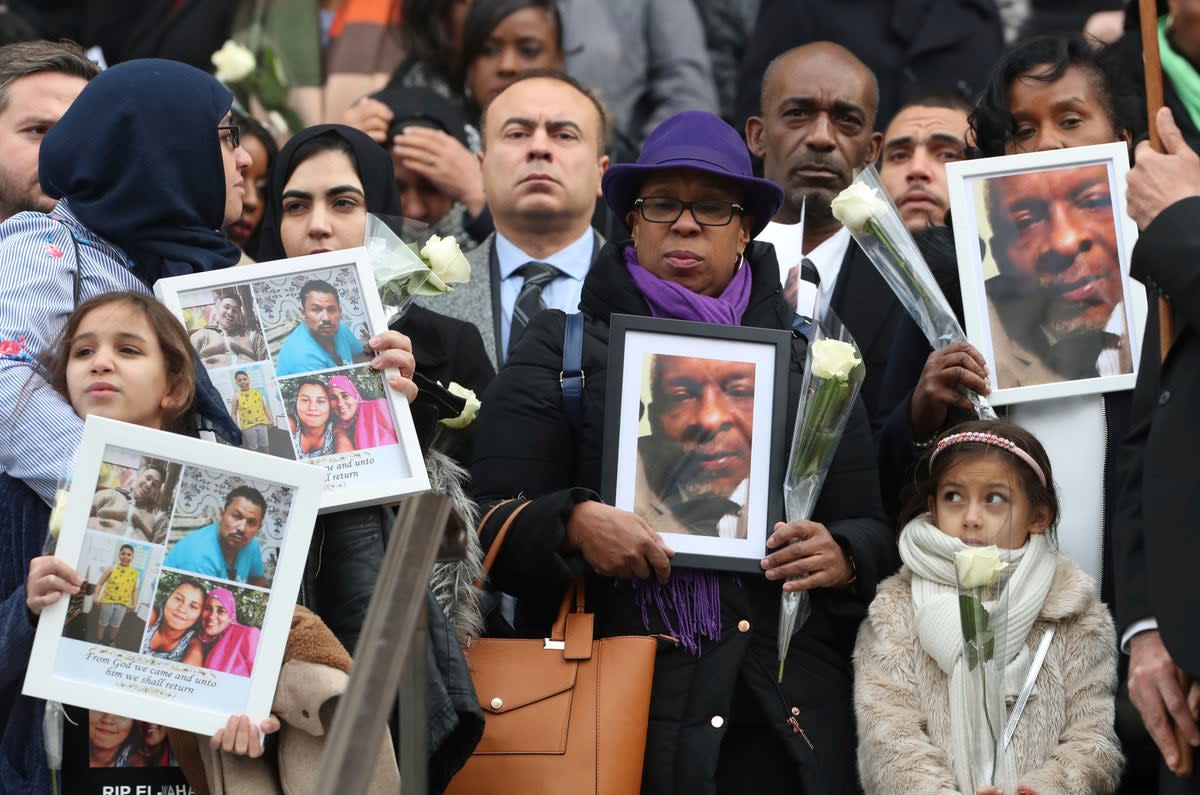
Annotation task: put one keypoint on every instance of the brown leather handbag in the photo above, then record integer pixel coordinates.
(566, 713)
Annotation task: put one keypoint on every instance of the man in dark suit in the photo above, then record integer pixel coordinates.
(816, 129)
(543, 155)
(1155, 533)
(915, 47)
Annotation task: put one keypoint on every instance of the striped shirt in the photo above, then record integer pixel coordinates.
(37, 267)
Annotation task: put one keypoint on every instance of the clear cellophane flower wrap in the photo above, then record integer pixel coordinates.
(52, 723)
(982, 574)
(402, 272)
(833, 374)
(867, 212)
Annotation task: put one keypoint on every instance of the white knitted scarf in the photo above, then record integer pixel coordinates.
(929, 555)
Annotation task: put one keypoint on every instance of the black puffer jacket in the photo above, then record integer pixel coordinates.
(524, 446)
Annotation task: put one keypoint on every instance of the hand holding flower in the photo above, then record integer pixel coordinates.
(808, 552)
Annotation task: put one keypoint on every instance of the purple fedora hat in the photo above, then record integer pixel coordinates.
(699, 140)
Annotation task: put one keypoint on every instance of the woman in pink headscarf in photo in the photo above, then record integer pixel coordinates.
(222, 643)
(364, 424)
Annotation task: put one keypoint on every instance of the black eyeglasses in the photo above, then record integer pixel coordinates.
(707, 212)
(234, 138)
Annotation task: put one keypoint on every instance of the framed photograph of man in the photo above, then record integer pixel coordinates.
(697, 449)
(262, 330)
(1043, 244)
(189, 630)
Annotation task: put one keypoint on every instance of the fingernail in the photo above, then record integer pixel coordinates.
(771, 574)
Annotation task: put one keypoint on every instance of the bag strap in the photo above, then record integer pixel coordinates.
(573, 602)
(571, 378)
(76, 277)
(1027, 688)
(494, 550)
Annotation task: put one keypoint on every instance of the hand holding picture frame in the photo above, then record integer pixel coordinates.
(1044, 244)
(285, 343)
(204, 613)
(695, 439)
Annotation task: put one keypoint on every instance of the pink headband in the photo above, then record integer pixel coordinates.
(995, 441)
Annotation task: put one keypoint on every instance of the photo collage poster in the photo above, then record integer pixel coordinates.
(286, 348)
(191, 556)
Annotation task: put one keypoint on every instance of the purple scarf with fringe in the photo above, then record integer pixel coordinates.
(689, 605)
(668, 299)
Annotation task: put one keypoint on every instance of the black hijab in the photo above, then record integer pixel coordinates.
(137, 157)
(372, 162)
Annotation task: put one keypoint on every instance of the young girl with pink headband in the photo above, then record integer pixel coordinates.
(986, 483)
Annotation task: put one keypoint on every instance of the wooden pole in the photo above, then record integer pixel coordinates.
(1148, 19)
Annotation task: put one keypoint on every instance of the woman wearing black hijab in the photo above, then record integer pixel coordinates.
(145, 176)
(360, 171)
(323, 184)
(325, 181)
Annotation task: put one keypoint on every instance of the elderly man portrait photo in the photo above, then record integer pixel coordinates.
(321, 341)
(227, 548)
(693, 474)
(1057, 305)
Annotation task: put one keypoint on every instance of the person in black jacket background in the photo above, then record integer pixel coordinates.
(1154, 536)
(719, 722)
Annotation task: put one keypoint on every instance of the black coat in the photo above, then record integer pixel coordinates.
(1123, 62)
(872, 313)
(1156, 543)
(914, 47)
(524, 446)
(447, 350)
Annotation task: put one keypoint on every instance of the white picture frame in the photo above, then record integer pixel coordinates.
(1019, 290)
(122, 678)
(365, 465)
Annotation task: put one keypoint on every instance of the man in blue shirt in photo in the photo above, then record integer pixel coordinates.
(322, 340)
(227, 548)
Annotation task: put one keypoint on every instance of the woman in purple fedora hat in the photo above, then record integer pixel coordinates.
(719, 721)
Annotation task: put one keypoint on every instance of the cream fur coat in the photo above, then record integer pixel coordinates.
(1064, 744)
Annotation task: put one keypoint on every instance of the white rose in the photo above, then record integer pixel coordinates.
(834, 359)
(978, 566)
(57, 512)
(857, 205)
(234, 62)
(278, 123)
(446, 260)
(469, 411)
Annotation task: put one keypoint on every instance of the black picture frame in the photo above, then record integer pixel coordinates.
(756, 445)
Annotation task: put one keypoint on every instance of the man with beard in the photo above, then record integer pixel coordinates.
(1057, 306)
(322, 340)
(694, 467)
(922, 138)
(38, 81)
(817, 129)
(227, 548)
(543, 154)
